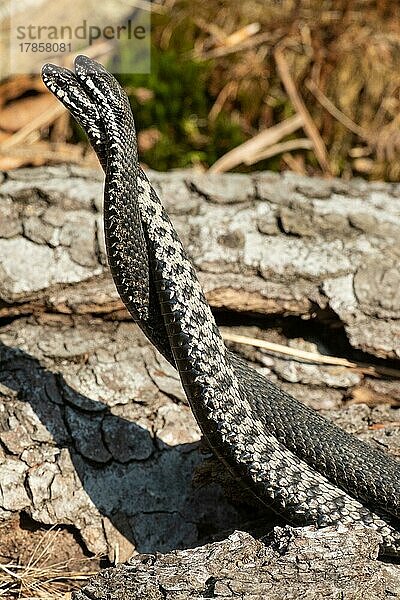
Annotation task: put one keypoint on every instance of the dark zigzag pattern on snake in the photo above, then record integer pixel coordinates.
(287, 454)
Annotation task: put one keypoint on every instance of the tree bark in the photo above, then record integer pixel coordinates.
(95, 430)
(289, 564)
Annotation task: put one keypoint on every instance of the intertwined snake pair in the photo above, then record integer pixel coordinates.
(288, 455)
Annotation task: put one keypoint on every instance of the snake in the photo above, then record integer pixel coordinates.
(289, 456)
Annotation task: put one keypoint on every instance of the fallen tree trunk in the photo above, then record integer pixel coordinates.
(95, 431)
(289, 564)
(264, 243)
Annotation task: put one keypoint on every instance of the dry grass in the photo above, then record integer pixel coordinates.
(346, 51)
(333, 62)
(42, 577)
(313, 357)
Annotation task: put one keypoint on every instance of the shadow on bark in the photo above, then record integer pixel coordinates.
(127, 491)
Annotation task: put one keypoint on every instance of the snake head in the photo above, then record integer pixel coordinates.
(65, 86)
(101, 107)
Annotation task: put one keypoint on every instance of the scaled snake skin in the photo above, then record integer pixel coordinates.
(289, 456)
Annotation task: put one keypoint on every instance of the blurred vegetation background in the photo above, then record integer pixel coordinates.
(311, 86)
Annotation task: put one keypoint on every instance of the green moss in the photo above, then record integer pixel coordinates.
(179, 110)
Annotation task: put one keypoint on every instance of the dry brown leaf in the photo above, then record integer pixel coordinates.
(364, 395)
(19, 113)
(33, 128)
(43, 153)
(18, 85)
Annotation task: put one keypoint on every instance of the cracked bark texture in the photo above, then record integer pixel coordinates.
(267, 243)
(291, 563)
(95, 431)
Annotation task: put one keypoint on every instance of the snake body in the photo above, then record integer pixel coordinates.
(290, 457)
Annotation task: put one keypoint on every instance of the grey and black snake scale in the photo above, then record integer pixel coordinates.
(291, 458)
